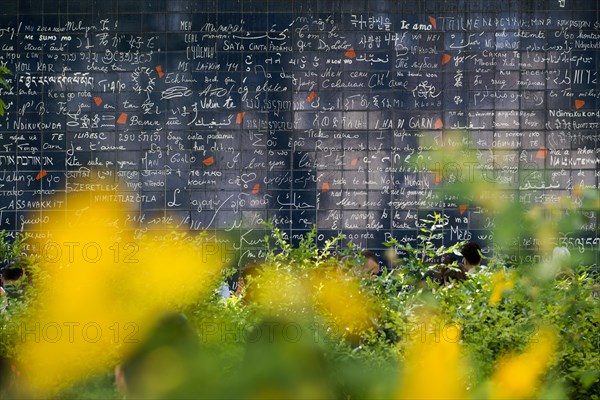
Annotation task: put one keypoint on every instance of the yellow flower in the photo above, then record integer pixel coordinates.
(338, 294)
(101, 289)
(501, 281)
(434, 367)
(518, 376)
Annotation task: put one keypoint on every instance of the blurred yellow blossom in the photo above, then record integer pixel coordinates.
(434, 367)
(501, 282)
(518, 376)
(338, 294)
(100, 290)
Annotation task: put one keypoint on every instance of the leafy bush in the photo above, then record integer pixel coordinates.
(358, 334)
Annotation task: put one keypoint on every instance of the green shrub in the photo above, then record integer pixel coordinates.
(498, 311)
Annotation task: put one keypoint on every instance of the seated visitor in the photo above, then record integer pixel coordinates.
(471, 253)
(445, 274)
(366, 264)
(10, 285)
(370, 265)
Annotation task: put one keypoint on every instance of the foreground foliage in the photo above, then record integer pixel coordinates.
(309, 323)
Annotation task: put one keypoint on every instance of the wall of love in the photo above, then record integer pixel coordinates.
(218, 115)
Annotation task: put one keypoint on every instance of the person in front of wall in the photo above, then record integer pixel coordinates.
(10, 288)
(370, 266)
(366, 264)
(471, 253)
(446, 275)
